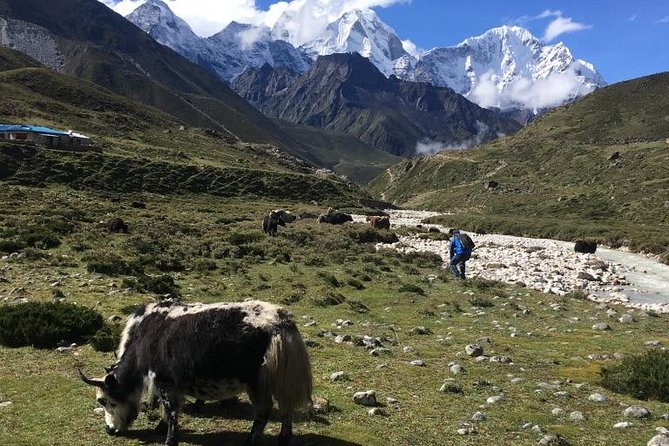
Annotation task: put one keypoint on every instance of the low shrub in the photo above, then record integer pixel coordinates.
(107, 338)
(367, 234)
(10, 246)
(160, 284)
(44, 325)
(576, 294)
(328, 298)
(644, 377)
(411, 288)
(481, 302)
(109, 264)
(204, 265)
(329, 279)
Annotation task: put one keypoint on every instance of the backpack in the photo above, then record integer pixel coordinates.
(465, 241)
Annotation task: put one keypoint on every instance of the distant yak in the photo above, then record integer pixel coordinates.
(117, 225)
(379, 222)
(271, 221)
(334, 217)
(208, 352)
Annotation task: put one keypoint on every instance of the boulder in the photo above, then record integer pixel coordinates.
(585, 246)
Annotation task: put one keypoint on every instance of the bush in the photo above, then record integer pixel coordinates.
(161, 284)
(109, 264)
(328, 298)
(643, 377)
(368, 234)
(204, 265)
(329, 279)
(10, 246)
(43, 325)
(481, 302)
(410, 288)
(107, 338)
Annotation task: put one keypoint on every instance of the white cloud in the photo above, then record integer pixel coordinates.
(664, 19)
(633, 17)
(208, 17)
(527, 93)
(411, 48)
(562, 25)
(429, 147)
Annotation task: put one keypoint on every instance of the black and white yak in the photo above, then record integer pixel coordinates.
(209, 352)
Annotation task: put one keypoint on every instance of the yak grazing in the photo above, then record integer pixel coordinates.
(209, 352)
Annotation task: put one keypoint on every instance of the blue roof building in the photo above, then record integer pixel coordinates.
(43, 136)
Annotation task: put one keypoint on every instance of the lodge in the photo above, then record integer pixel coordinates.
(43, 136)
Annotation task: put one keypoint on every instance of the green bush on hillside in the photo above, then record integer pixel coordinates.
(109, 264)
(43, 325)
(107, 338)
(644, 377)
(161, 284)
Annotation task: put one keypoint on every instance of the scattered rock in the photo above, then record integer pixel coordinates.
(494, 399)
(474, 350)
(5, 404)
(367, 398)
(375, 411)
(409, 349)
(622, 425)
(418, 363)
(380, 352)
(320, 405)
(654, 343)
(478, 416)
(601, 326)
(451, 387)
(636, 412)
(557, 412)
(420, 331)
(337, 376)
(457, 369)
(553, 440)
(576, 417)
(598, 398)
(659, 440)
(501, 359)
(343, 338)
(626, 319)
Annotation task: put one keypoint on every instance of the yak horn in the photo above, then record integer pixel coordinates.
(91, 382)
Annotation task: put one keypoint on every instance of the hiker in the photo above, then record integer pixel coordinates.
(460, 250)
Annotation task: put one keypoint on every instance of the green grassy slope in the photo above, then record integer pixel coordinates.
(559, 176)
(144, 148)
(214, 251)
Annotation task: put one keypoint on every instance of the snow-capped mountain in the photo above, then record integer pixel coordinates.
(505, 68)
(357, 31)
(508, 67)
(227, 53)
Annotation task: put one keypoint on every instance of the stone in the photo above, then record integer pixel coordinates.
(337, 376)
(409, 349)
(343, 338)
(367, 398)
(418, 363)
(654, 343)
(474, 350)
(375, 412)
(601, 326)
(586, 276)
(598, 398)
(611, 312)
(5, 404)
(114, 318)
(457, 369)
(553, 440)
(380, 352)
(420, 331)
(390, 400)
(557, 412)
(622, 425)
(626, 319)
(478, 416)
(576, 417)
(501, 359)
(451, 387)
(495, 399)
(320, 405)
(659, 440)
(636, 412)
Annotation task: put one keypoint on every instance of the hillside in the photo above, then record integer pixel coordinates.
(144, 149)
(597, 167)
(86, 39)
(346, 93)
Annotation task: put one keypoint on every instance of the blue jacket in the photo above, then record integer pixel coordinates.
(456, 248)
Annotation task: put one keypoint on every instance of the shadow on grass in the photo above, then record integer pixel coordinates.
(241, 410)
(149, 437)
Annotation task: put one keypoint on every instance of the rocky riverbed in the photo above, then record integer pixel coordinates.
(550, 266)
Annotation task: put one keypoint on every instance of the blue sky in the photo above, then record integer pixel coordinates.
(625, 39)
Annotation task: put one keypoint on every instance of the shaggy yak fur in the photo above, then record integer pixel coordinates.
(334, 217)
(379, 222)
(117, 225)
(208, 352)
(585, 246)
(271, 221)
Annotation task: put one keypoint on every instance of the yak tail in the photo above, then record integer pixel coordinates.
(286, 372)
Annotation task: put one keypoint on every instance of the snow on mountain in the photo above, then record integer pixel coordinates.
(507, 68)
(227, 53)
(357, 31)
(158, 20)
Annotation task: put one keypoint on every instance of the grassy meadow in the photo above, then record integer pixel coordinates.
(208, 248)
